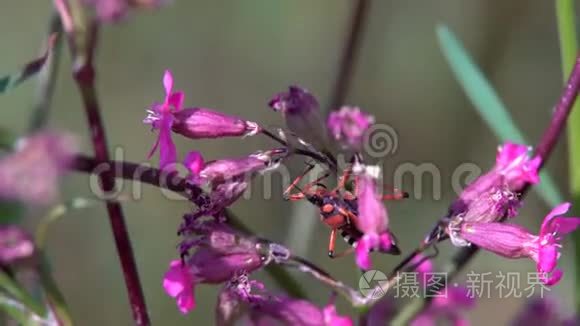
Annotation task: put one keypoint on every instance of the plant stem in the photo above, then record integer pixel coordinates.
(566, 18)
(544, 150)
(349, 54)
(82, 37)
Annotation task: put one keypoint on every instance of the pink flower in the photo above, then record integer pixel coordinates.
(161, 118)
(31, 174)
(513, 241)
(515, 165)
(373, 220)
(197, 123)
(494, 195)
(15, 244)
(244, 168)
(178, 283)
(348, 126)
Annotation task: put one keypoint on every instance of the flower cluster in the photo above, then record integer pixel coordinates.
(476, 216)
(214, 252)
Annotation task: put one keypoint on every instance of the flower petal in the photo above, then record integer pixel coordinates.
(176, 100)
(548, 258)
(168, 82)
(565, 225)
(558, 210)
(173, 281)
(194, 162)
(362, 254)
(553, 279)
(178, 284)
(167, 150)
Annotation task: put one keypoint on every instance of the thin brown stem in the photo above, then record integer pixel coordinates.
(82, 39)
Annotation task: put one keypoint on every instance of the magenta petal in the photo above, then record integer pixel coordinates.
(548, 258)
(554, 278)
(362, 254)
(173, 281)
(565, 225)
(168, 82)
(385, 241)
(176, 100)
(194, 162)
(167, 150)
(331, 318)
(178, 283)
(558, 210)
(509, 152)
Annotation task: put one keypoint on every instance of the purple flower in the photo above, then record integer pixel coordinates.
(219, 253)
(372, 220)
(194, 123)
(238, 302)
(178, 283)
(348, 126)
(227, 170)
(302, 115)
(15, 245)
(32, 172)
(494, 195)
(112, 11)
(160, 117)
(513, 241)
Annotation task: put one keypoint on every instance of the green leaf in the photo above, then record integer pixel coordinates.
(488, 104)
(10, 81)
(53, 294)
(14, 290)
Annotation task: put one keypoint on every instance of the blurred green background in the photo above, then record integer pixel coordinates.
(232, 56)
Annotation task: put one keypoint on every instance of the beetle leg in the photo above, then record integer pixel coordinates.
(332, 243)
(286, 193)
(344, 253)
(343, 180)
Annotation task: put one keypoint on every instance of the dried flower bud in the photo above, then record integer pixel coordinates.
(302, 115)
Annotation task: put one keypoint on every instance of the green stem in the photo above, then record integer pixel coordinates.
(566, 18)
